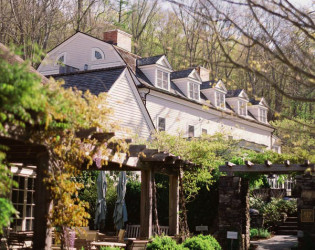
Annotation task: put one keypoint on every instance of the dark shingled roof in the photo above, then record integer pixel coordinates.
(254, 102)
(207, 84)
(233, 93)
(96, 81)
(148, 60)
(181, 73)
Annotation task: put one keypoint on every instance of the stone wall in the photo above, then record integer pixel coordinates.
(233, 211)
(305, 187)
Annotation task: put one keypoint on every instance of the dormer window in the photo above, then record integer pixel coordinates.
(263, 115)
(162, 79)
(193, 90)
(220, 99)
(242, 108)
(97, 54)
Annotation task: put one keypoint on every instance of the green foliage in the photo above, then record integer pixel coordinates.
(110, 248)
(163, 243)
(273, 211)
(132, 199)
(260, 233)
(208, 151)
(202, 242)
(6, 211)
(297, 137)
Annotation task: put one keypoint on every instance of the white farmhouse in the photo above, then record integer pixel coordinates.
(147, 94)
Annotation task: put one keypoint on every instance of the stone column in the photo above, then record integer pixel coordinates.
(233, 212)
(305, 186)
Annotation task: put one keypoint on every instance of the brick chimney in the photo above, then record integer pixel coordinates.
(119, 38)
(204, 73)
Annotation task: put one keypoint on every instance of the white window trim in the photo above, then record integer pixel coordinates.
(168, 79)
(188, 130)
(157, 123)
(242, 102)
(190, 83)
(261, 118)
(60, 55)
(93, 52)
(221, 93)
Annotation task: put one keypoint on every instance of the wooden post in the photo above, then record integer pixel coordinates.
(42, 234)
(146, 204)
(173, 205)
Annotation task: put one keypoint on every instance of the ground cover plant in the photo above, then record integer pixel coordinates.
(259, 233)
(200, 242)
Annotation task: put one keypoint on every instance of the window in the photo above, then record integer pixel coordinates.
(263, 115)
(191, 131)
(161, 124)
(97, 54)
(162, 79)
(193, 90)
(61, 59)
(219, 100)
(242, 108)
(23, 201)
(204, 131)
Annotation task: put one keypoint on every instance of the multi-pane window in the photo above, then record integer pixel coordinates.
(242, 108)
(191, 131)
(162, 79)
(193, 91)
(219, 99)
(161, 124)
(263, 115)
(23, 200)
(204, 131)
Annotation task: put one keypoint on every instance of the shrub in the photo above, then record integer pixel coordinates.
(202, 242)
(259, 233)
(163, 243)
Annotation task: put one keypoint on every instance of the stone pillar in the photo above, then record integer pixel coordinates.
(305, 186)
(146, 204)
(173, 205)
(42, 233)
(233, 212)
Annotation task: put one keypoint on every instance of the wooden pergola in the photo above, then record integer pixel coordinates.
(139, 158)
(234, 196)
(267, 168)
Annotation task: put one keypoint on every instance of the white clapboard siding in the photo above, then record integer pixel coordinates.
(78, 52)
(127, 108)
(179, 116)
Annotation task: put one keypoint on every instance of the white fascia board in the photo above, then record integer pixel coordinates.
(193, 80)
(163, 58)
(236, 98)
(136, 93)
(194, 75)
(243, 95)
(223, 89)
(154, 66)
(198, 107)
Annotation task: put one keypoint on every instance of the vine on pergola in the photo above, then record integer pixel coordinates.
(51, 115)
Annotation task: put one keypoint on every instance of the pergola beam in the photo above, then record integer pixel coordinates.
(267, 167)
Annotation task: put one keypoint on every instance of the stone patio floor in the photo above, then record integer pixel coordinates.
(278, 242)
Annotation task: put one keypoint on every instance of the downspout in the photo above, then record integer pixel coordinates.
(145, 97)
(271, 138)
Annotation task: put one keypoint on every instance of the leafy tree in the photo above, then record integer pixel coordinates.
(51, 115)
